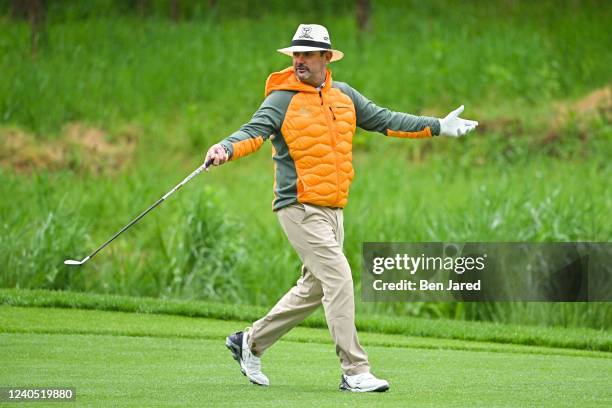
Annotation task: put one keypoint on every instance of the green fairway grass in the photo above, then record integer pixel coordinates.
(130, 359)
(76, 321)
(557, 337)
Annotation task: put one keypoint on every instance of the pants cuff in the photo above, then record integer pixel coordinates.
(357, 370)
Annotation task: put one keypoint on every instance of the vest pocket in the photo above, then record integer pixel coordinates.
(340, 109)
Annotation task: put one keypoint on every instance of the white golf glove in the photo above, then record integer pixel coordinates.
(452, 125)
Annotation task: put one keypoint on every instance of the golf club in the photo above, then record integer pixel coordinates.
(135, 220)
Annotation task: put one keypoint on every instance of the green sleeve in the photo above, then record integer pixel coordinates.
(374, 118)
(266, 121)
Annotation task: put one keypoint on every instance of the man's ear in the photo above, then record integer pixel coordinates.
(328, 56)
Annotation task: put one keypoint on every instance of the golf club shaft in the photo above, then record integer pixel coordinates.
(158, 202)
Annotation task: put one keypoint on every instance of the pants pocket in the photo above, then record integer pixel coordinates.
(295, 212)
(308, 211)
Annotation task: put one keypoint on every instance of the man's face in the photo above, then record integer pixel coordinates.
(309, 67)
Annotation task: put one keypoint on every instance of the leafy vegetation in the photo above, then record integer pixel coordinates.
(117, 108)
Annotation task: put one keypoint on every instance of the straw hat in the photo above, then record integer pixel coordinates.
(311, 37)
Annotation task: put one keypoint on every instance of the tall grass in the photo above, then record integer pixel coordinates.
(217, 239)
(184, 86)
(110, 70)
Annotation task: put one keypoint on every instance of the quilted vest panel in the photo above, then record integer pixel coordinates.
(318, 130)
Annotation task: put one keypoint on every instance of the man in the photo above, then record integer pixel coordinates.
(310, 120)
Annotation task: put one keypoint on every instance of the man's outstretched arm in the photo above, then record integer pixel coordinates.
(398, 124)
(249, 138)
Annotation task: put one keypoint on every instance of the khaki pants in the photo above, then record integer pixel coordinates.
(317, 234)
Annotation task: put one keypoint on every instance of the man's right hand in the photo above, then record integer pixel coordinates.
(217, 154)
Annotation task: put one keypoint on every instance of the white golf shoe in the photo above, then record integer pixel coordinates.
(250, 364)
(364, 382)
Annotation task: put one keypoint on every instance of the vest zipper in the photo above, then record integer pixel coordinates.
(332, 133)
(332, 112)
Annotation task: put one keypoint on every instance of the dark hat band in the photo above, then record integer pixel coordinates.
(309, 43)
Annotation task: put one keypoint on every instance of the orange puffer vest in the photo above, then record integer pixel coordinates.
(318, 129)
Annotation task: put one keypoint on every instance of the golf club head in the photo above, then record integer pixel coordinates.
(74, 263)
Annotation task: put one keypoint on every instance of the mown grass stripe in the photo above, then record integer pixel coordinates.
(105, 323)
(582, 339)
